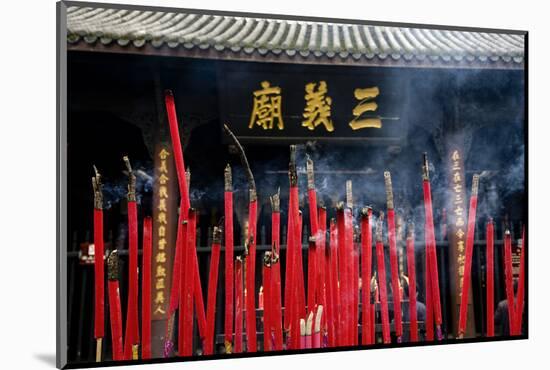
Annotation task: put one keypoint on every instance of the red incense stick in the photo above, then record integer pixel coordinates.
(239, 298)
(311, 271)
(332, 291)
(393, 257)
(185, 332)
(322, 268)
(411, 268)
(508, 280)
(468, 258)
(313, 259)
(212, 289)
(228, 203)
(382, 283)
(267, 284)
(366, 267)
(99, 268)
(429, 299)
(490, 279)
(146, 287)
(277, 322)
(132, 330)
(115, 311)
(431, 247)
(344, 266)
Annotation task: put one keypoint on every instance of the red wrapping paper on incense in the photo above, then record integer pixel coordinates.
(366, 267)
(429, 299)
(468, 258)
(289, 272)
(184, 207)
(508, 281)
(343, 268)
(431, 253)
(132, 330)
(382, 286)
(411, 268)
(115, 309)
(521, 286)
(146, 287)
(212, 289)
(185, 332)
(393, 257)
(251, 277)
(349, 272)
(276, 316)
(267, 284)
(239, 299)
(322, 268)
(99, 276)
(228, 204)
(299, 309)
(490, 278)
(332, 291)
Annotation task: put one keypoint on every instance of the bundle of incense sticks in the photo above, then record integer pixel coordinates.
(251, 257)
(115, 311)
(411, 268)
(132, 330)
(380, 258)
(99, 267)
(146, 287)
(212, 288)
(366, 267)
(393, 257)
(239, 299)
(184, 207)
(275, 291)
(468, 258)
(490, 278)
(431, 255)
(228, 204)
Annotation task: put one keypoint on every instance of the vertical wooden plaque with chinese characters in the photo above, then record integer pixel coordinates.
(164, 219)
(458, 221)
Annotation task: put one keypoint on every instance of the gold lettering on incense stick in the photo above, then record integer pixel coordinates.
(366, 104)
(266, 110)
(318, 107)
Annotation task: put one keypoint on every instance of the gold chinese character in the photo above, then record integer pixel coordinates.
(366, 104)
(163, 179)
(458, 188)
(163, 167)
(159, 298)
(163, 191)
(457, 177)
(163, 154)
(161, 218)
(162, 231)
(455, 156)
(459, 221)
(162, 205)
(162, 244)
(160, 284)
(459, 211)
(161, 271)
(267, 107)
(317, 110)
(460, 246)
(159, 311)
(460, 233)
(161, 257)
(456, 166)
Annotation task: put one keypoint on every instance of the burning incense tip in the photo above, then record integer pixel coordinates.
(292, 172)
(244, 161)
(425, 167)
(131, 180)
(378, 230)
(365, 211)
(475, 184)
(267, 259)
(274, 254)
(310, 176)
(340, 206)
(98, 189)
(228, 178)
(112, 266)
(276, 201)
(507, 232)
(168, 92)
(349, 194)
(389, 191)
